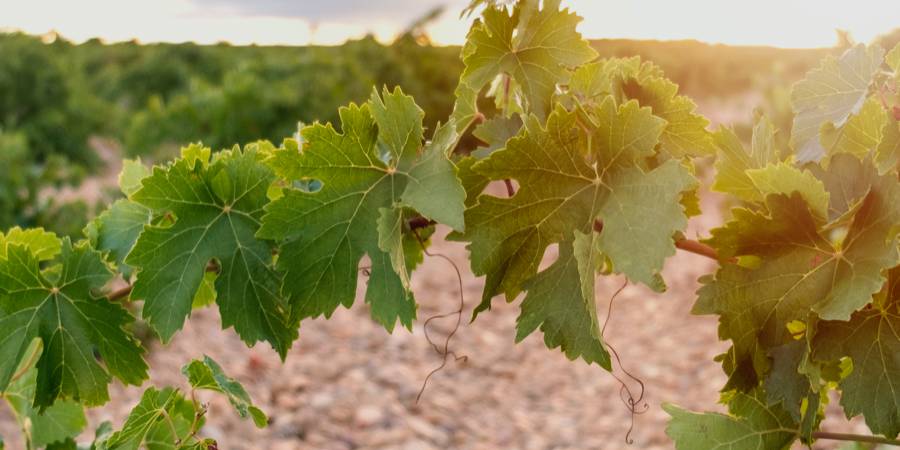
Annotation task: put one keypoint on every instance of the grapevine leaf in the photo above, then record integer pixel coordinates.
(872, 341)
(434, 189)
(64, 420)
(560, 300)
(640, 216)
(830, 94)
(208, 374)
(860, 134)
(473, 182)
(625, 135)
(685, 133)
(800, 270)
(59, 308)
(812, 417)
(733, 161)
(893, 58)
(784, 383)
(44, 245)
(133, 171)
(536, 56)
(887, 154)
(217, 207)
(117, 229)
(784, 178)
(591, 82)
(847, 180)
(160, 420)
(369, 173)
(206, 293)
(560, 193)
(751, 426)
(495, 132)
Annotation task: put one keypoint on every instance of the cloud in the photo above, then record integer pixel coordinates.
(346, 11)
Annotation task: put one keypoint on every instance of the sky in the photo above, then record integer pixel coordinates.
(781, 23)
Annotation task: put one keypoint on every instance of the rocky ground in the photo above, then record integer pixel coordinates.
(347, 384)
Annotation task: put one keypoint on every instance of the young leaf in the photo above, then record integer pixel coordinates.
(829, 95)
(685, 133)
(117, 229)
(161, 420)
(368, 173)
(60, 308)
(44, 245)
(133, 171)
(207, 374)
(861, 133)
(733, 161)
(537, 56)
(217, 206)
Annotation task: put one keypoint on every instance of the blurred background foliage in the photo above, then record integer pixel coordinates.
(68, 110)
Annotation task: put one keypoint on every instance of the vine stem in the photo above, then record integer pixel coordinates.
(855, 438)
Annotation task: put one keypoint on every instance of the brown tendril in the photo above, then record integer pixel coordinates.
(636, 406)
(444, 352)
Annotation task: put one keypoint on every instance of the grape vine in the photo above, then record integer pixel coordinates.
(598, 157)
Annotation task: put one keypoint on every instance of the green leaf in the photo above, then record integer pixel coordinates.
(559, 193)
(872, 341)
(434, 189)
(64, 420)
(829, 95)
(560, 300)
(43, 244)
(217, 207)
(801, 269)
(206, 294)
(685, 133)
(861, 133)
(369, 174)
(133, 171)
(893, 58)
(495, 132)
(534, 47)
(473, 182)
(208, 375)
(785, 384)
(60, 308)
(733, 161)
(590, 83)
(784, 178)
(751, 426)
(624, 135)
(887, 154)
(160, 421)
(117, 229)
(847, 180)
